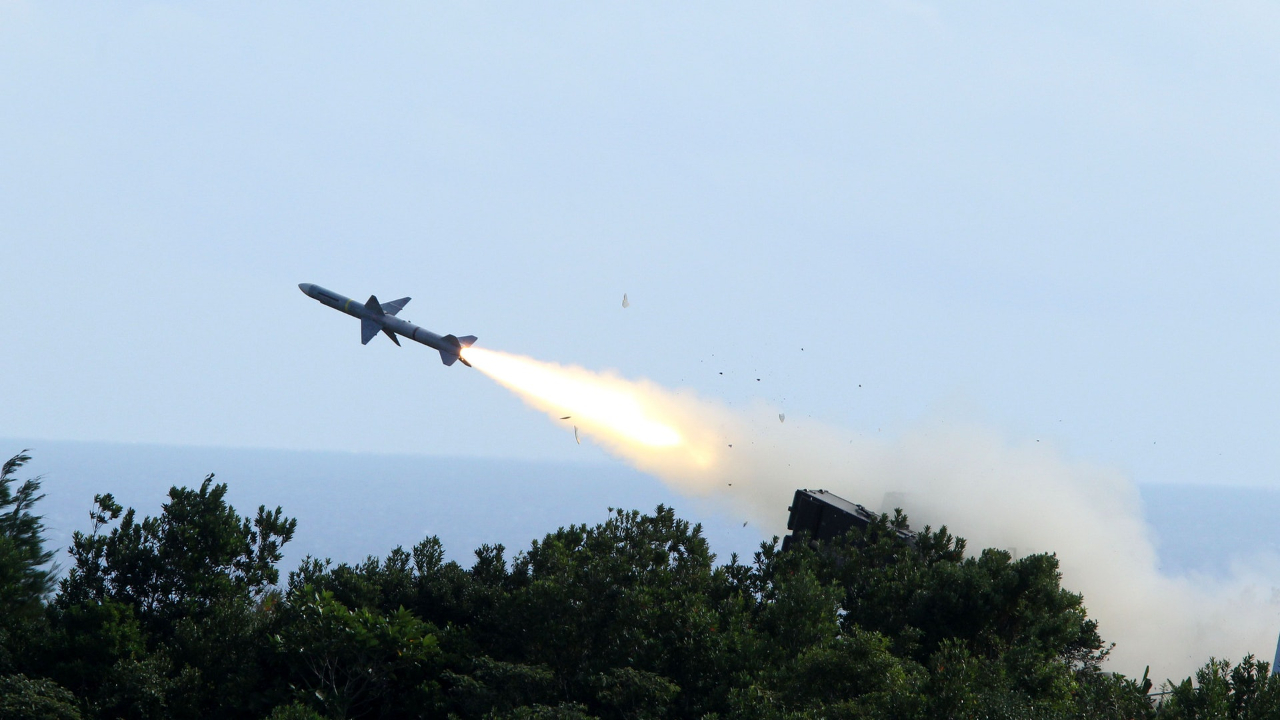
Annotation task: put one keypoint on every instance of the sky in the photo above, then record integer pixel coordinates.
(1058, 220)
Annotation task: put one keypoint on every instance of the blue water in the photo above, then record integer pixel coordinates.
(352, 505)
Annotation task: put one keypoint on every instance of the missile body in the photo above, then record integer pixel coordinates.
(376, 317)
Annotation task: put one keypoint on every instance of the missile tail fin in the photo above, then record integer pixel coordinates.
(466, 341)
(453, 353)
(374, 307)
(392, 336)
(369, 328)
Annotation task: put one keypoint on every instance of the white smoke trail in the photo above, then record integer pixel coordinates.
(995, 494)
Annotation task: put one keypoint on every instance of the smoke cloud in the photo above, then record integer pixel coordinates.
(1027, 499)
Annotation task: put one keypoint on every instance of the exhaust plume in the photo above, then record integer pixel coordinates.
(1027, 499)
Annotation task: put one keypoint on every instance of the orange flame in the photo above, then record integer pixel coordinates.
(596, 403)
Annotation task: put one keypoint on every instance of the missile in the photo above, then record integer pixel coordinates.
(376, 317)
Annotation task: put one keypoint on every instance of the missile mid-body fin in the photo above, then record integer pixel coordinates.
(395, 306)
(368, 328)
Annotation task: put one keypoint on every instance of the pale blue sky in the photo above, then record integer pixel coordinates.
(1059, 219)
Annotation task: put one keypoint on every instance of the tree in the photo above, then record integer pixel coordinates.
(1247, 691)
(353, 661)
(167, 616)
(25, 574)
(197, 552)
(24, 698)
(620, 612)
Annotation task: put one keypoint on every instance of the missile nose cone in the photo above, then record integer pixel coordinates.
(305, 288)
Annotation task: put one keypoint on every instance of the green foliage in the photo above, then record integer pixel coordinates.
(492, 686)
(87, 642)
(1247, 691)
(150, 687)
(195, 554)
(167, 616)
(1114, 697)
(351, 660)
(637, 587)
(25, 574)
(294, 711)
(24, 698)
(563, 711)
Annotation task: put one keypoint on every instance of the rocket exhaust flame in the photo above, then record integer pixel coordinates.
(636, 420)
(595, 402)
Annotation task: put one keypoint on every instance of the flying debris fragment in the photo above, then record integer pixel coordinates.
(376, 317)
(782, 417)
(566, 417)
(575, 435)
(625, 302)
